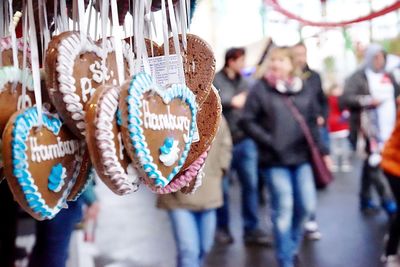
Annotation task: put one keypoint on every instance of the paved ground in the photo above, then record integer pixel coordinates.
(131, 232)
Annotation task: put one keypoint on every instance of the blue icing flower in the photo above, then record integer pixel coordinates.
(56, 178)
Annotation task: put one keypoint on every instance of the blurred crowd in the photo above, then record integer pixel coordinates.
(274, 121)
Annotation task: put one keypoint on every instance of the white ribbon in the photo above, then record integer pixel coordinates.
(82, 22)
(13, 37)
(174, 29)
(104, 20)
(64, 16)
(117, 42)
(24, 55)
(35, 62)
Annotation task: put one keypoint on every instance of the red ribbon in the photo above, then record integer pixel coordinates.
(372, 15)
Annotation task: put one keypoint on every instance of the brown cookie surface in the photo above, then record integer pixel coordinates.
(40, 164)
(82, 179)
(75, 69)
(105, 144)
(198, 65)
(208, 119)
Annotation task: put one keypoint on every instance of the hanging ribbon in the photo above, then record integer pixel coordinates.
(104, 20)
(174, 29)
(13, 36)
(35, 62)
(24, 56)
(64, 16)
(275, 5)
(117, 42)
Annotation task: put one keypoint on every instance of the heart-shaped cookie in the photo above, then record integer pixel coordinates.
(104, 140)
(11, 80)
(198, 65)
(11, 98)
(188, 181)
(75, 69)
(41, 164)
(208, 120)
(7, 52)
(83, 179)
(158, 126)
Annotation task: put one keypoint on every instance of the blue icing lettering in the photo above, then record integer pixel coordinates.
(56, 178)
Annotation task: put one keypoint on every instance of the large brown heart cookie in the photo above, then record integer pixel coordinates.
(104, 140)
(198, 65)
(157, 127)
(41, 164)
(75, 69)
(83, 179)
(11, 80)
(208, 120)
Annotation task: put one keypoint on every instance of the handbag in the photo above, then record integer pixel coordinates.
(322, 175)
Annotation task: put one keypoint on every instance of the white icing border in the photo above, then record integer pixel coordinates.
(107, 108)
(10, 74)
(68, 50)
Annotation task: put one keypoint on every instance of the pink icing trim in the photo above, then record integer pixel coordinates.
(188, 175)
(5, 44)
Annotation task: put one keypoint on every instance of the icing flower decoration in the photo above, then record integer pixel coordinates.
(56, 178)
(169, 152)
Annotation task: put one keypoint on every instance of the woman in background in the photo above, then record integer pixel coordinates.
(283, 149)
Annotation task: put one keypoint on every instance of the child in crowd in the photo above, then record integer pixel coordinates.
(338, 131)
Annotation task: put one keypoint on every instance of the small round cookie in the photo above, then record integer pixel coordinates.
(75, 69)
(104, 140)
(41, 163)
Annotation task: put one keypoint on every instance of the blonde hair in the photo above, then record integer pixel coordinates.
(279, 52)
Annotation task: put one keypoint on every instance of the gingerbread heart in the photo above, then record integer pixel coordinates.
(83, 179)
(7, 52)
(41, 164)
(198, 65)
(157, 127)
(188, 181)
(104, 141)
(11, 98)
(75, 69)
(208, 120)
(11, 80)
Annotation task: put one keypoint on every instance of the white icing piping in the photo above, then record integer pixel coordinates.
(68, 50)
(12, 75)
(107, 108)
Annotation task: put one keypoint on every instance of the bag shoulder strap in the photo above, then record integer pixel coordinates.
(300, 119)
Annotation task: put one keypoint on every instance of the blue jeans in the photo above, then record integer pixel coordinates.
(245, 163)
(293, 199)
(194, 235)
(53, 236)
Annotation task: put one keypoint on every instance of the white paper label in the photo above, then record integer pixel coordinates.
(166, 73)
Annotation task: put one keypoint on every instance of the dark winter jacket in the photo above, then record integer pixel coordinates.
(227, 90)
(267, 119)
(355, 96)
(314, 88)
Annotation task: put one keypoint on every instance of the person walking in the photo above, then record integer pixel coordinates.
(233, 90)
(284, 153)
(370, 95)
(315, 91)
(193, 216)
